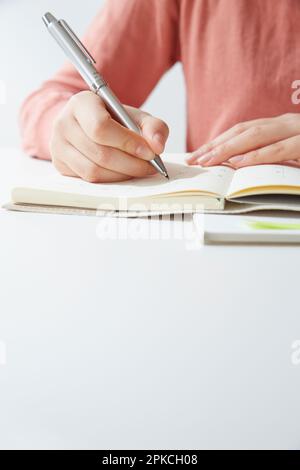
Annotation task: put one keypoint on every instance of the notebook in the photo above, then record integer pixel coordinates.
(249, 228)
(39, 187)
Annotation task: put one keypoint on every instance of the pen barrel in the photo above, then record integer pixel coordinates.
(120, 114)
(117, 109)
(83, 61)
(76, 56)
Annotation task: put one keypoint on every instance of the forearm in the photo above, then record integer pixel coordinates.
(37, 116)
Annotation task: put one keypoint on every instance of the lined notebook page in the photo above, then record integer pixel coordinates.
(264, 175)
(42, 175)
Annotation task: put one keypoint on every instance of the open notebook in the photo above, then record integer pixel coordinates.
(39, 187)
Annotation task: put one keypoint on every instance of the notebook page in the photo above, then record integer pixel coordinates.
(42, 175)
(262, 176)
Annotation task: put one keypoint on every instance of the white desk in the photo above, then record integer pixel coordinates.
(143, 344)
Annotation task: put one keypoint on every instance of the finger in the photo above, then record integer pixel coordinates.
(87, 170)
(63, 168)
(253, 138)
(224, 137)
(107, 157)
(295, 163)
(282, 151)
(102, 129)
(57, 148)
(154, 130)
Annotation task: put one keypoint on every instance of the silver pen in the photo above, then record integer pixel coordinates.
(84, 63)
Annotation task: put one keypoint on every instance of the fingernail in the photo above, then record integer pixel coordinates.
(200, 152)
(144, 152)
(192, 157)
(237, 159)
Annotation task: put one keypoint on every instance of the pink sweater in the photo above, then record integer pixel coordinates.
(239, 59)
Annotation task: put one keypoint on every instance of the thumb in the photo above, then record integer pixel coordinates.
(154, 130)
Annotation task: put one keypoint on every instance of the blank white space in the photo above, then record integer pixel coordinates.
(2, 92)
(2, 353)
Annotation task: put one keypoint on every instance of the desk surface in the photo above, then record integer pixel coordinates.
(143, 343)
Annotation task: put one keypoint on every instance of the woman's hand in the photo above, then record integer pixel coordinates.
(273, 140)
(86, 142)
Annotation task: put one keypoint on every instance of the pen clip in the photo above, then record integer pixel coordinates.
(83, 49)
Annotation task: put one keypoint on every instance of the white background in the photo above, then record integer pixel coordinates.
(29, 56)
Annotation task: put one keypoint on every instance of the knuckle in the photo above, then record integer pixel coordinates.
(74, 99)
(54, 145)
(104, 157)
(209, 146)
(77, 97)
(254, 155)
(99, 127)
(255, 131)
(60, 167)
(129, 146)
(222, 149)
(52, 149)
(91, 174)
(57, 164)
(62, 121)
(239, 128)
(59, 123)
(278, 148)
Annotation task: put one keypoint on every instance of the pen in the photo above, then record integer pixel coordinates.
(84, 63)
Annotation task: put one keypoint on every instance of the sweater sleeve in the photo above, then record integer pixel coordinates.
(134, 42)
